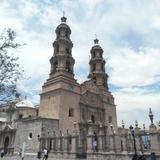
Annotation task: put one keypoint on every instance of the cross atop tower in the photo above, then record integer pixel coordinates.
(63, 13)
(95, 36)
(96, 39)
(63, 19)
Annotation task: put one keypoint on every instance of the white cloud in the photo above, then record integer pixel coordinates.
(135, 105)
(132, 68)
(115, 21)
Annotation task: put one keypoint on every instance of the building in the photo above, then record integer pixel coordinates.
(74, 120)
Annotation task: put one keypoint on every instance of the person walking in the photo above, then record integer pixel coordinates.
(2, 153)
(45, 151)
(95, 146)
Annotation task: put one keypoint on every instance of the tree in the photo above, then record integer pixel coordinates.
(10, 70)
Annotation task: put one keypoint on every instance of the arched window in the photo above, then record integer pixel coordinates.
(94, 67)
(68, 66)
(121, 145)
(6, 144)
(70, 139)
(57, 47)
(20, 116)
(56, 65)
(93, 54)
(30, 136)
(110, 119)
(50, 144)
(67, 51)
(92, 118)
(71, 112)
(94, 79)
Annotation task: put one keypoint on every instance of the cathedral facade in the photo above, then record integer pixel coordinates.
(72, 103)
(75, 120)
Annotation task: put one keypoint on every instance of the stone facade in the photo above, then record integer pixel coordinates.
(76, 104)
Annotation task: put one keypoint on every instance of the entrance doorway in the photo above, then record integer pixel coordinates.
(6, 144)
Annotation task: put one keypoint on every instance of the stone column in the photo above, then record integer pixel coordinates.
(100, 139)
(61, 143)
(107, 143)
(54, 143)
(111, 143)
(138, 139)
(89, 143)
(58, 143)
(100, 143)
(124, 139)
(117, 143)
(89, 140)
(40, 144)
(154, 142)
(73, 146)
(65, 143)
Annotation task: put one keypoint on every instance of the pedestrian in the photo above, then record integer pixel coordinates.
(2, 153)
(45, 151)
(94, 145)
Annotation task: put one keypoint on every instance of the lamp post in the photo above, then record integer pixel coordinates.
(24, 146)
(134, 142)
(39, 151)
(151, 116)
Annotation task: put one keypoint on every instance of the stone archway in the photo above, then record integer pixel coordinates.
(6, 144)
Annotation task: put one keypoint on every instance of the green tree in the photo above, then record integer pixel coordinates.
(10, 70)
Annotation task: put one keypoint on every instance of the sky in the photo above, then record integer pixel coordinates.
(128, 31)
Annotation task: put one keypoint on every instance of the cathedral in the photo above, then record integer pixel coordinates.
(74, 120)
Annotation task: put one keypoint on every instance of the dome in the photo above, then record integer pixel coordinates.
(96, 45)
(25, 103)
(63, 25)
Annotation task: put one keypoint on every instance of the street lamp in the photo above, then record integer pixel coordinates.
(123, 125)
(151, 116)
(39, 151)
(24, 146)
(135, 157)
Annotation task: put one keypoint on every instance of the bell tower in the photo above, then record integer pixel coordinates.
(57, 91)
(62, 61)
(97, 67)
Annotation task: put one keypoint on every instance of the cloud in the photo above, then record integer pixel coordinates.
(128, 33)
(130, 68)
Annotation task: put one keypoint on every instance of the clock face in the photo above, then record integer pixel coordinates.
(71, 87)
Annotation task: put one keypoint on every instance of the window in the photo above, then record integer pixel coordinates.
(121, 145)
(67, 51)
(110, 119)
(93, 54)
(68, 66)
(70, 139)
(71, 112)
(57, 48)
(83, 113)
(94, 67)
(92, 118)
(94, 79)
(20, 116)
(56, 65)
(146, 140)
(30, 136)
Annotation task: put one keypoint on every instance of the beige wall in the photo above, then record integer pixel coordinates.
(49, 105)
(69, 100)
